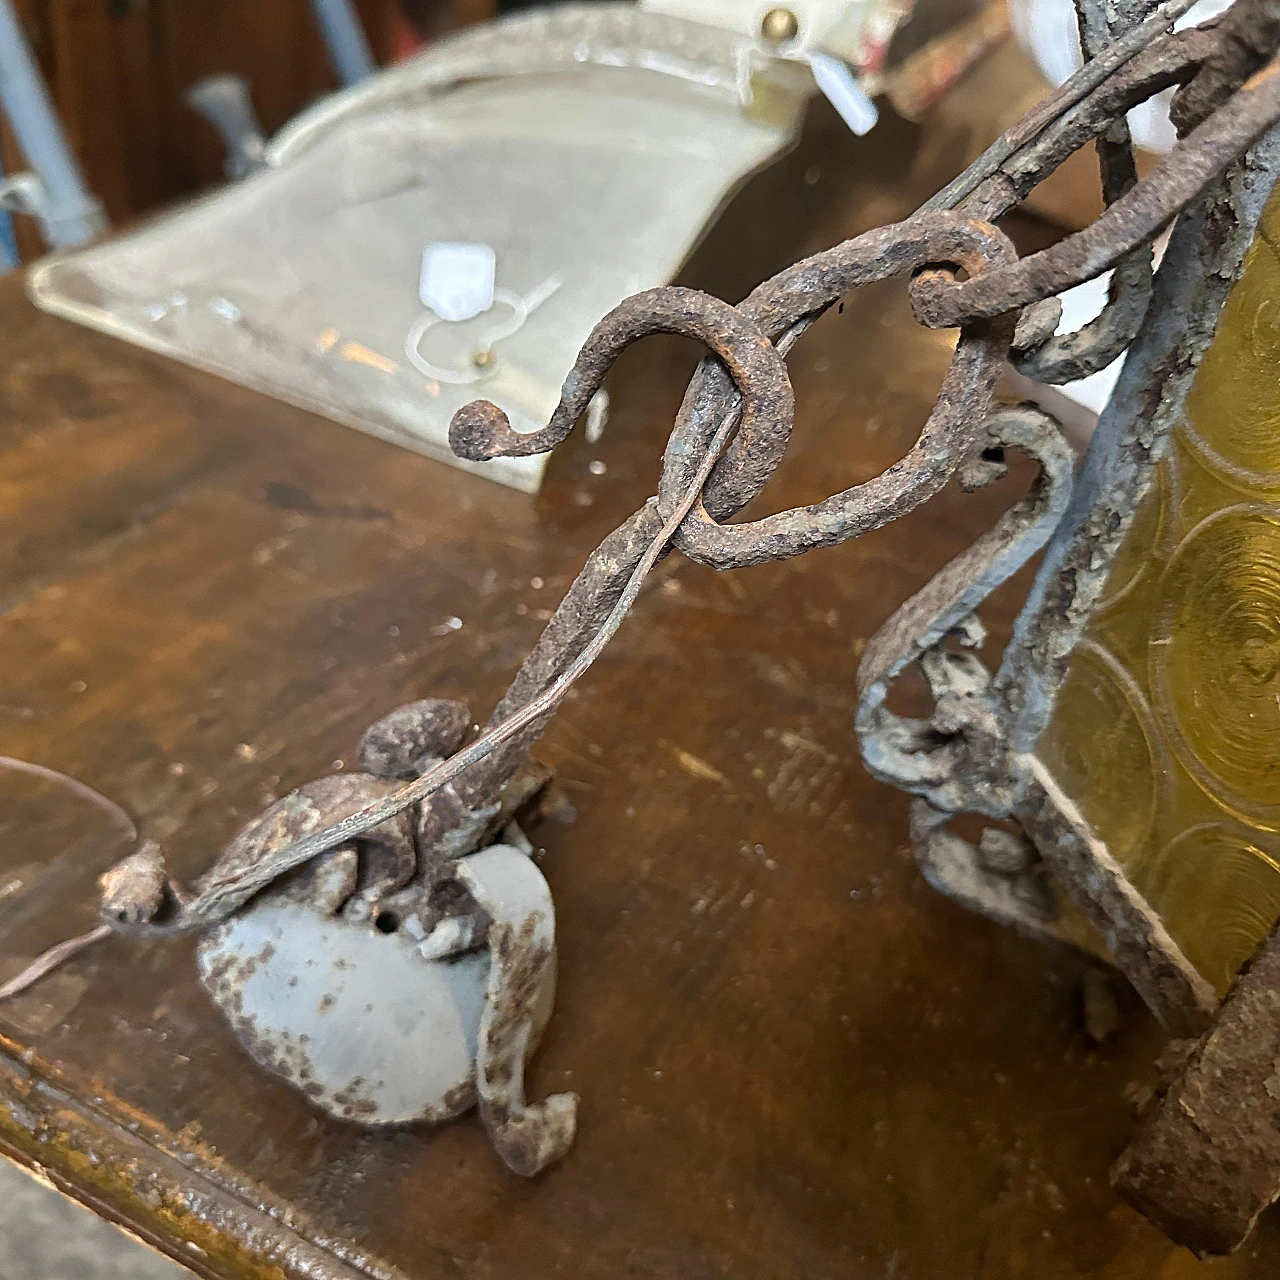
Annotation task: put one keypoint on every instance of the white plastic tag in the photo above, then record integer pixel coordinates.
(457, 279)
(843, 91)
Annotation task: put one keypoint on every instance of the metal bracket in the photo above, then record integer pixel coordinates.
(226, 102)
(25, 193)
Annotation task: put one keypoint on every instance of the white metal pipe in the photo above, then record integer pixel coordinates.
(69, 214)
(348, 47)
(8, 243)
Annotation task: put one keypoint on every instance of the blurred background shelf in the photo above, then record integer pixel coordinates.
(118, 70)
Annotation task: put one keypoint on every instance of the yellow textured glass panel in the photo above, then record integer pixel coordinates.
(1215, 659)
(1100, 749)
(1234, 406)
(1183, 673)
(1217, 892)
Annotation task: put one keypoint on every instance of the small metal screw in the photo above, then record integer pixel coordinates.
(482, 358)
(779, 25)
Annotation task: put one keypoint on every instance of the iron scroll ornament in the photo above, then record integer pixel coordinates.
(410, 835)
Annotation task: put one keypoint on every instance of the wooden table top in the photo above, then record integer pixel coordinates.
(794, 1058)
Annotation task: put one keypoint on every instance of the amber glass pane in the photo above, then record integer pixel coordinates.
(1167, 731)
